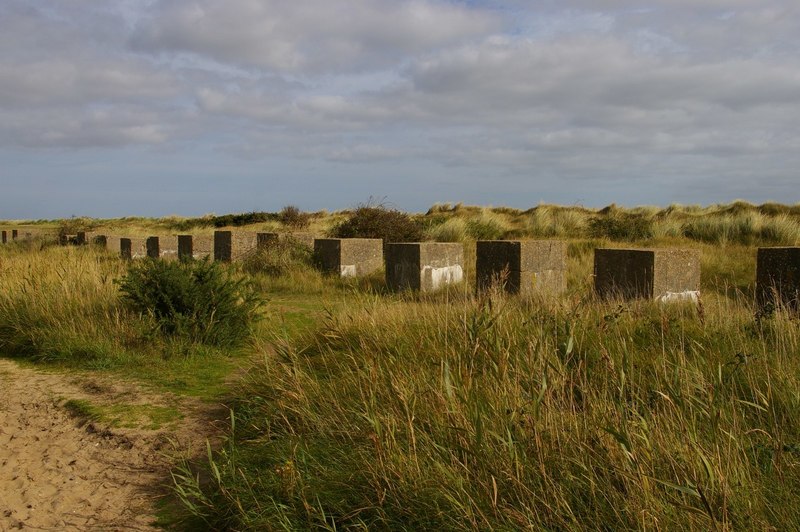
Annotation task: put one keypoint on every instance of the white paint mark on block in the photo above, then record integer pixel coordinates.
(443, 276)
(673, 297)
(348, 270)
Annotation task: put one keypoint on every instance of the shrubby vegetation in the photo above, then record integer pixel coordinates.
(292, 217)
(378, 221)
(197, 300)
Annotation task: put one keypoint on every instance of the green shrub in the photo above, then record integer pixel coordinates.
(196, 299)
(248, 218)
(369, 221)
(292, 216)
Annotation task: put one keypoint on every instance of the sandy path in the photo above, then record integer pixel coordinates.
(60, 473)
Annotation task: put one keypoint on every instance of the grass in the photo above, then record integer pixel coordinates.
(132, 416)
(354, 408)
(736, 223)
(519, 414)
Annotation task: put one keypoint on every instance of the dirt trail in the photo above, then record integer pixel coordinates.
(58, 472)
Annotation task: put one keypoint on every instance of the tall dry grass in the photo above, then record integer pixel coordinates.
(510, 414)
(60, 303)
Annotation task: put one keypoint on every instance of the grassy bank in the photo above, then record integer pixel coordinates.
(355, 408)
(509, 414)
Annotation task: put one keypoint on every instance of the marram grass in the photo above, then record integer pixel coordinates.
(509, 414)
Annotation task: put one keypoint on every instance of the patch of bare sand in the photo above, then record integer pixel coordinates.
(62, 473)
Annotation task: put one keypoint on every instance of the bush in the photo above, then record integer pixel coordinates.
(369, 221)
(196, 299)
(291, 216)
(249, 218)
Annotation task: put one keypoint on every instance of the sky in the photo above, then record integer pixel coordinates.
(188, 107)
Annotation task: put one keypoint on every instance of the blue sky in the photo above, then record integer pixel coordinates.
(158, 107)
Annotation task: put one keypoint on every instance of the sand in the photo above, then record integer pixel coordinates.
(60, 472)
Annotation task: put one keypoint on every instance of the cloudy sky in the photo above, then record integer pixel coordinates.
(157, 107)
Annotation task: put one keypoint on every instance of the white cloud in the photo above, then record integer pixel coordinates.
(309, 36)
(596, 92)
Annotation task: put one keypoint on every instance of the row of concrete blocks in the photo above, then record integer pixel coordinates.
(225, 246)
(11, 235)
(519, 266)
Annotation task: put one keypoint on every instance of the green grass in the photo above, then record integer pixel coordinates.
(457, 414)
(135, 416)
(355, 408)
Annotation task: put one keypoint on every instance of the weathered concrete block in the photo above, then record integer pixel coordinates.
(152, 246)
(85, 238)
(114, 244)
(4, 236)
(98, 240)
(423, 266)
(195, 246)
(778, 277)
(304, 239)
(133, 247)
(264, 240)
(162, 247)
(663, 274)
(529, 266)
(14, 234)
(348, 257)
(234, 246)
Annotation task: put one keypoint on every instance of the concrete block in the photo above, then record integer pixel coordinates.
(348, 257)
(14, 234)
(304, 239)
(530, 266)
(4, 236)
(85, 238)
(114, 244)
(195, 247)
(133, 247)
(234, 246)
(264, 240)
(162, 247)
(778, 277)
(662, 274)
(423, 266)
